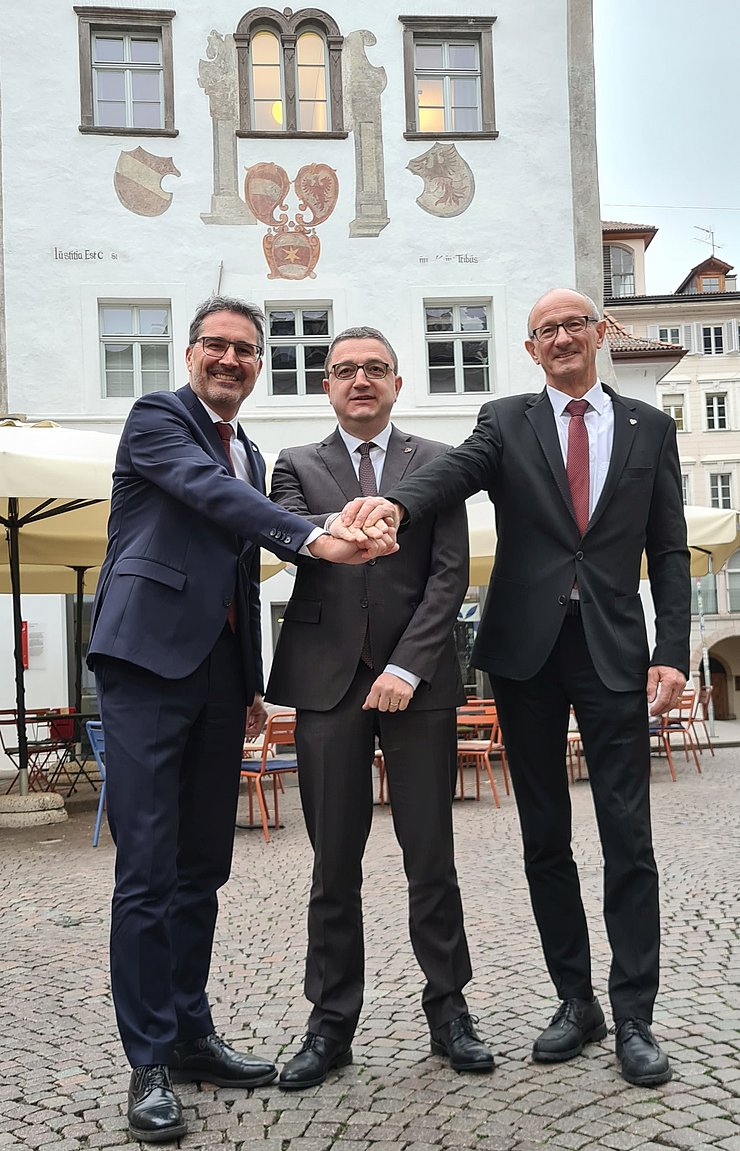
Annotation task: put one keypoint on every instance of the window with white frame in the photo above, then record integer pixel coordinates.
(135, 347)
(716, 409)
(298, 338)
(720, 489)
(458, 347)
(713, 343)
(733, 582)
(673, 407)
(290, 73)
(448, 76)
(619, 270)
(685, 487)
(126, 74)
(669, 335)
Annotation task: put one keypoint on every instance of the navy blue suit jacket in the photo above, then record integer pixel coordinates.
(183, 542)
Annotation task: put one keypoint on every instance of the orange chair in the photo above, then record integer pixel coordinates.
(379, 762)
(679, 721)
(475, 721)
(279, 732)
(477, 753)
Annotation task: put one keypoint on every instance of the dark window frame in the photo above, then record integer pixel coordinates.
(288, 28)
(95, 20)
(476, 28)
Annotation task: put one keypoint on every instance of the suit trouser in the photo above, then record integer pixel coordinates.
(173, 757)
(534, 717)
(335, 755)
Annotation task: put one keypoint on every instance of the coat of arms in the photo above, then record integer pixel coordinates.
(138, 182)
(449, 185)
(291, 246)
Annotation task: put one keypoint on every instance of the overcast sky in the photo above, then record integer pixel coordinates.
(667, 74)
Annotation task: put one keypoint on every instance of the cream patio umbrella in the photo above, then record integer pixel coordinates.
(55, 486)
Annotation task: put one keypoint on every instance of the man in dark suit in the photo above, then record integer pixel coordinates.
(176, 648)
(366, 654)
(580, 490)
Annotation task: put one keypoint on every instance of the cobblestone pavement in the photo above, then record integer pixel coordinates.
(63, 1078)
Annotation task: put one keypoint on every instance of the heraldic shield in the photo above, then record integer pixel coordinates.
(291, 247)
(138, 182)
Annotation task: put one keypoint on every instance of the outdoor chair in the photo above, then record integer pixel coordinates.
(279, 732)
(700, 715)
(97, 746)
(679, 721)
(477, 752)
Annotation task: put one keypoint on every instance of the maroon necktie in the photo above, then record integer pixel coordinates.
(226, 432)
(368, 487)
(577, 462)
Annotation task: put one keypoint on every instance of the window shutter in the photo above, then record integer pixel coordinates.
(687, 337)
(730, 343)
(607, 269)
(698, 339)
(652, 332)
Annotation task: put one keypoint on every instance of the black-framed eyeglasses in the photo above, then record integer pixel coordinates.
(373, 369)
(217, 347)
(576, 324)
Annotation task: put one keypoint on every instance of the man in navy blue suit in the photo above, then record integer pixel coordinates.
(176, 650)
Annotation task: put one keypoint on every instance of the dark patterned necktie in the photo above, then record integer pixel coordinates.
(577, 461)
(368, 487)
(226, 433)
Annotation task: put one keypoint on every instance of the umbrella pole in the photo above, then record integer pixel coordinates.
(78, 638)
(20, 691)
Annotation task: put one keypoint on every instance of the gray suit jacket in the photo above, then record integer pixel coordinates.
(410, 599)
(514, 453)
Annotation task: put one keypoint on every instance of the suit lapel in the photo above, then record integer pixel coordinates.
(335, 457)
(542, 419)
(400, 453)
(255, 463)
(626, 424)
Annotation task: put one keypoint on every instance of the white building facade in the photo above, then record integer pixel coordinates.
(428, 170)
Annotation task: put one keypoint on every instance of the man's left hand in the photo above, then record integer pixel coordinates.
(389, 693)
(353, 551)
(256, 717)
(664, 688)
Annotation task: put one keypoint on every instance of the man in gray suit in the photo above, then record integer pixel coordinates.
(373, 655)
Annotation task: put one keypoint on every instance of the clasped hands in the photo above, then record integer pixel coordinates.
(363, 531)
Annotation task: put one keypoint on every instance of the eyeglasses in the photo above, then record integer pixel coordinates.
(373, 369)
(217, 347)
(577, 324)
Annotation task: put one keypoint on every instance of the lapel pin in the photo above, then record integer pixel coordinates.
(406, 450)
(633, 421)
(254, 446)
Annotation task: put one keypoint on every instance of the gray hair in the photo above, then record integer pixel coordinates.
(362, 333)
(227, 304)
(592, 307)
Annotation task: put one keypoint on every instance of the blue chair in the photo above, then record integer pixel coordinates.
(97, 746)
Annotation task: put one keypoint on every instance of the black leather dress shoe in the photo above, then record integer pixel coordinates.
(211, 1059)
(154, 1111)
(575, 1023)
(641, 1060)
(316, 1058)
(465, 1049)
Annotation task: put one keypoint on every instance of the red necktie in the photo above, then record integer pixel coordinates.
(577, 462)
(368, 487)
(226, 432)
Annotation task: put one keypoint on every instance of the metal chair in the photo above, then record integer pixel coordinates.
(279, 731)
(97, 746)
(700, 715)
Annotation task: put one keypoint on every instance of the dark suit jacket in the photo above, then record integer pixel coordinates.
(514, 453)
(183, 541)
(410, 598)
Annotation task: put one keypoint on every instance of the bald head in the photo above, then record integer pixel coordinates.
(562, 297)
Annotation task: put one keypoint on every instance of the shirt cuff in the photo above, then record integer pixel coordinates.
(303, 550)
(406, 676)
